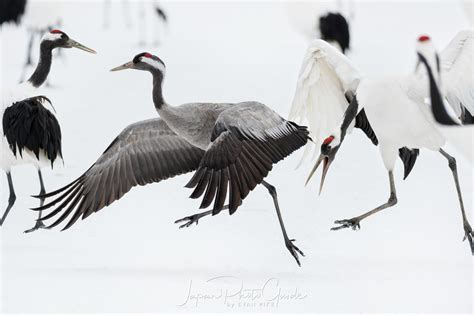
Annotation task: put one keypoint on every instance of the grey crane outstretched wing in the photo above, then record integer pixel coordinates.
(246, 141)
(143, 153)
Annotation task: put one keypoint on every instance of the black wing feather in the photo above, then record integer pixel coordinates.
(239, 159)
(408, 157)
(27, 124)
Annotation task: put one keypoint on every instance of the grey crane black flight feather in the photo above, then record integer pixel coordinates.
(246, 141)
(143, 153)
(27, 124)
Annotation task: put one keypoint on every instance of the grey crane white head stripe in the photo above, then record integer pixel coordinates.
(157, 64)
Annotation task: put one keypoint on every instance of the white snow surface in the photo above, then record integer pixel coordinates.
(131, 257)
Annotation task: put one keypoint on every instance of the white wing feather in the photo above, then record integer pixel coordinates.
(458, 76)
(325, 76)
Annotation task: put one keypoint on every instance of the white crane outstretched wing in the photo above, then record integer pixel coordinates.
(325, 77)
(457, 65)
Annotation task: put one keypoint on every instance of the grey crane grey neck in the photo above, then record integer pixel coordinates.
(44, 65)
(158, 99)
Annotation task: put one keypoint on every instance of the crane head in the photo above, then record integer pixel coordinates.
(58, 39)
(426, 51)
(145, 62)
(329, 148)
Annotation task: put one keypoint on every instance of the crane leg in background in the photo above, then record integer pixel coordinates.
(468, 234)
(354, 223)
(106, 12)
(29, 49)
(39, 224)
(294, 251)
(11, 199)
(142, 30)
(126, 13)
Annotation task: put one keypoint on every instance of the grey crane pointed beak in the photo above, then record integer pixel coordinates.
(128, 65)
(71, 43)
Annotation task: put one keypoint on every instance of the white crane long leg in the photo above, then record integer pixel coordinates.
(354, 223)
(468, 234)
(39, 224)
(11, 199)
(294, 251)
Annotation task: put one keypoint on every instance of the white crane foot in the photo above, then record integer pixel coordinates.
(353, 223)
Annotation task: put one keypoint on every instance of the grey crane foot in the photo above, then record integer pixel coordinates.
(294, 251)
(188, 220)
(469, 235)
(353, 223)
(39, 225)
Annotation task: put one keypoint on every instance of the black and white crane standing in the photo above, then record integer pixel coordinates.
(31, 133)
(403, 97)
(232, 148)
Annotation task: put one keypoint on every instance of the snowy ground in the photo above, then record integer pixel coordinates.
(130, 257)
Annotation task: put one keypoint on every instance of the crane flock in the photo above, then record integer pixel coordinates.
(232, 147)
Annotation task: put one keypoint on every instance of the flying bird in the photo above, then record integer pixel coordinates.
(231, 148)
(31, 133)
(403, 97)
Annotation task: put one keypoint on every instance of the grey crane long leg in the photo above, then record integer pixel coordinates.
(39, 223)
(195, 217)
(468, 234)
(11, 199)
(189, 220)
(354, 223)
(294, 251)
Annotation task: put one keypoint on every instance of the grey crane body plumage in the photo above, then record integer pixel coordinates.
(232, 148)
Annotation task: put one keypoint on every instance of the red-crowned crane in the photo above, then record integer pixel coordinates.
(396, 108)
(30, 132)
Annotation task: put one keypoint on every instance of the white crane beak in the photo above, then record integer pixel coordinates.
(72, 43)
(327, 160)
(128, 65)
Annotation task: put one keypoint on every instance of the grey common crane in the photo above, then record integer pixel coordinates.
(231, 148)
(31, 133)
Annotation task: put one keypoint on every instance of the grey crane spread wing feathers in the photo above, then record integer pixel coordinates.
(246, 141)
(145, 152)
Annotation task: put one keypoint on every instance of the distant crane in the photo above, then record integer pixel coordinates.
(148, 12)
(11, 11)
